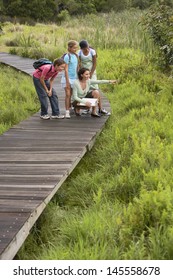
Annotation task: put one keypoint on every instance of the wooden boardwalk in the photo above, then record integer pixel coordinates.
(36, 157)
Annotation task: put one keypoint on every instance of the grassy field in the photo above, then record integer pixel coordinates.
(118, 202)
(16, 102)
(107, 31)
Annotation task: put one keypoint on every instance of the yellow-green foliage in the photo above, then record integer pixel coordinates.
(17, 97)
(112, 30)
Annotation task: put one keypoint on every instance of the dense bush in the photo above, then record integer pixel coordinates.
(47, 10)
(159, 24)
(42, 10)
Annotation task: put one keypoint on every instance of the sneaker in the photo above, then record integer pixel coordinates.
(67, 115)
(57, 117)
(85, 112)
(45, 117)
(104, 112)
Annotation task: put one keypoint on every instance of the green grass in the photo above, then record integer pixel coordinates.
(18, 99)
(105, 31)
(118, 202)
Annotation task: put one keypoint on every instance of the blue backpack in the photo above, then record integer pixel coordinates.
(42, 61)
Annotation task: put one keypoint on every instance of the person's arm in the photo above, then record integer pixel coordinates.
(76, 94)
(94, 59)
(78, 55)
(92, 82)
(51, 84)
(79, 62)
(67, 60)
(43, 84)
(48, 91)
(42, 78)
(67, 77)
(45, 69)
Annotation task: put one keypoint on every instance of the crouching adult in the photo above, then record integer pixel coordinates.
(82, 89)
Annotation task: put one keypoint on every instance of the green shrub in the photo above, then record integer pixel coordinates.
(159, 23)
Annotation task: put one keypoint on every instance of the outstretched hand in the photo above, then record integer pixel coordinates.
(113, 82)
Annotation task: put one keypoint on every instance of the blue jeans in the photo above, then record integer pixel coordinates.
(43, 98)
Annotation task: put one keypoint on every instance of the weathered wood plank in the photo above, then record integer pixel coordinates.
(29, 169)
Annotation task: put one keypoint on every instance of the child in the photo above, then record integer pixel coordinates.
(88, 59)
(43, 78)
(70, 74)
(81, 89)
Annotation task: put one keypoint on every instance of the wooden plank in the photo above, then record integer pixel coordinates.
(18, 205)
(54, 157)
(23, 194)
(30, 179)
(10, 223)
(29, 185)
(29, 169)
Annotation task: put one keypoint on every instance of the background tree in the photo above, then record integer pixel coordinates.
(38, 10)
(42, 10)
(48, 10)
(159, 24)
(144, 4)
(75, 7)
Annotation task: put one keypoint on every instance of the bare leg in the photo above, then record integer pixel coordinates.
(68, 94)
(96, 94)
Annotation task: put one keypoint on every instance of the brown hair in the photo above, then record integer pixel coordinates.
(58, 61)
(71, 44)
(81, 72)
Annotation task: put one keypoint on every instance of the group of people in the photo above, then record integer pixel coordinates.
(79, 81)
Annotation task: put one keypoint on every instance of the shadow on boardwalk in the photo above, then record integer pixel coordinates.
(36, 158)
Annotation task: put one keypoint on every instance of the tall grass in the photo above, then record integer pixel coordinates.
(105, 31)
(16, 102)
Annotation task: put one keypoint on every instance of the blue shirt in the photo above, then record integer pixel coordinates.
(72, 61)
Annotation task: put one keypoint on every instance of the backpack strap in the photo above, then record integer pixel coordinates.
(69, 55)
(50, 69)
(42, 70)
